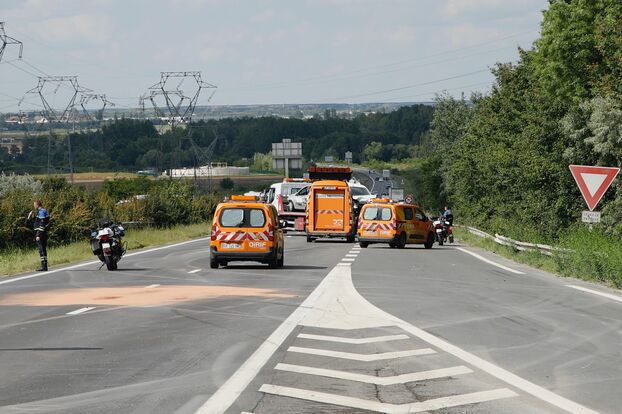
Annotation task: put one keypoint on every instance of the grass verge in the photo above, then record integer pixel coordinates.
(23, 260)
(596, 257)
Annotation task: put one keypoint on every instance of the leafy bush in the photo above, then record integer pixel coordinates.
(227, 183)
(169, 204)
(124, 188)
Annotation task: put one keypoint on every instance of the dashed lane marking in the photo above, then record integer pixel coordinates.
(352, 255)
(347, 260)
(81, 310)
(418, 407)
(361, 357)
(152, 286)
(370, 379)
(596, 292)
(356, 341)
(483, 259)
(195, 271)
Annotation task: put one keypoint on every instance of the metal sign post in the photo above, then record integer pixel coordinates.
(286, 155)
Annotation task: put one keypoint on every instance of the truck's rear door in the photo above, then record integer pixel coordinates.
(329, 208)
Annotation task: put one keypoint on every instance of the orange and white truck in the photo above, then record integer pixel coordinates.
(330, 208)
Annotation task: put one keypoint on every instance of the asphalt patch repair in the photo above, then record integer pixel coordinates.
(134, 295)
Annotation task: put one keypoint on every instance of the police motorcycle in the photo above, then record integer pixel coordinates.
(443, 230)
(107, 244)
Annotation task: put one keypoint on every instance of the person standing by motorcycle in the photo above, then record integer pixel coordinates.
(41, 225)
(448, 215)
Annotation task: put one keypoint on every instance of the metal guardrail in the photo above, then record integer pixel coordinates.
(515, 244)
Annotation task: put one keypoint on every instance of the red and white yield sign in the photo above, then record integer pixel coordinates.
(593, 182)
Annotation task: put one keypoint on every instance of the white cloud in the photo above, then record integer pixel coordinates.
(402, 35)
(455, 7)
(467, 34)
(86, 27)
(264, 16)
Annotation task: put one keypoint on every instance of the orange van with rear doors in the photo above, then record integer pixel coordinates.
(398, 224)
(245, 229)
(330, 211)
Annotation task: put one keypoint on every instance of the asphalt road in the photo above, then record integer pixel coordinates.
(339, 330)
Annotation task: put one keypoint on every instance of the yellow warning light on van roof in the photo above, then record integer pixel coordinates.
(243, 198)
(381, 200)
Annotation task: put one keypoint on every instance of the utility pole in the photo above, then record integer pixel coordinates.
(180, 107)
(6, 40)
(67, 114)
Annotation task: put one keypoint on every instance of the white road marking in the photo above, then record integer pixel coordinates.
(195, 271)
(483, 259)
(351, 255)
(347, 260)
(152, 286)
(370, 379)
(344, 264)
(356, 341)
(222, 399)
(418, 407)
(336, 304)
(62, 269)
(81, 310)
(596, 292)
(361, 357)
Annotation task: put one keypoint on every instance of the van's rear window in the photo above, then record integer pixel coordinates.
(242, 217)
(377, 213)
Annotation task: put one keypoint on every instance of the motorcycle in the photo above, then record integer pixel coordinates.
(107, 244)
(443, 230)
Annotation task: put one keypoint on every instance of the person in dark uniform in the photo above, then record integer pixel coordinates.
(41, 225)
(448, 215)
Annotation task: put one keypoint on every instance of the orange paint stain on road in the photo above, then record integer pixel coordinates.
(135, 295)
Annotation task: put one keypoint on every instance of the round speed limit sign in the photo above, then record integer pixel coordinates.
(409, 199)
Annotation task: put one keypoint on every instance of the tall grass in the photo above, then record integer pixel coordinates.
(15, 261)
(596, 256)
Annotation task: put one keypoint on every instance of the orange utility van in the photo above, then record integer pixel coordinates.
(398, 224)
(246, 229)
(330, 211)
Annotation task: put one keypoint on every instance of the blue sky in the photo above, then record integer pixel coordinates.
(267, 51)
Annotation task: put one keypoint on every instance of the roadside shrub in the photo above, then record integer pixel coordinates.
(203, 207)
(227, 183)
(125, 188)
(169, 204)
(19, 182)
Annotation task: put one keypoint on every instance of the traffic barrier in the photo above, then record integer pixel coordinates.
(515, 244)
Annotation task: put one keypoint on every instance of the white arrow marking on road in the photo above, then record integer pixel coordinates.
(418, 407)
(370, 379)
(593, 181)
(356, 341)
(361, 357)
(81, 310)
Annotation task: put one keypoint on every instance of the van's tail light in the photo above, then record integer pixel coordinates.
(214, 231)
(270, 232)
